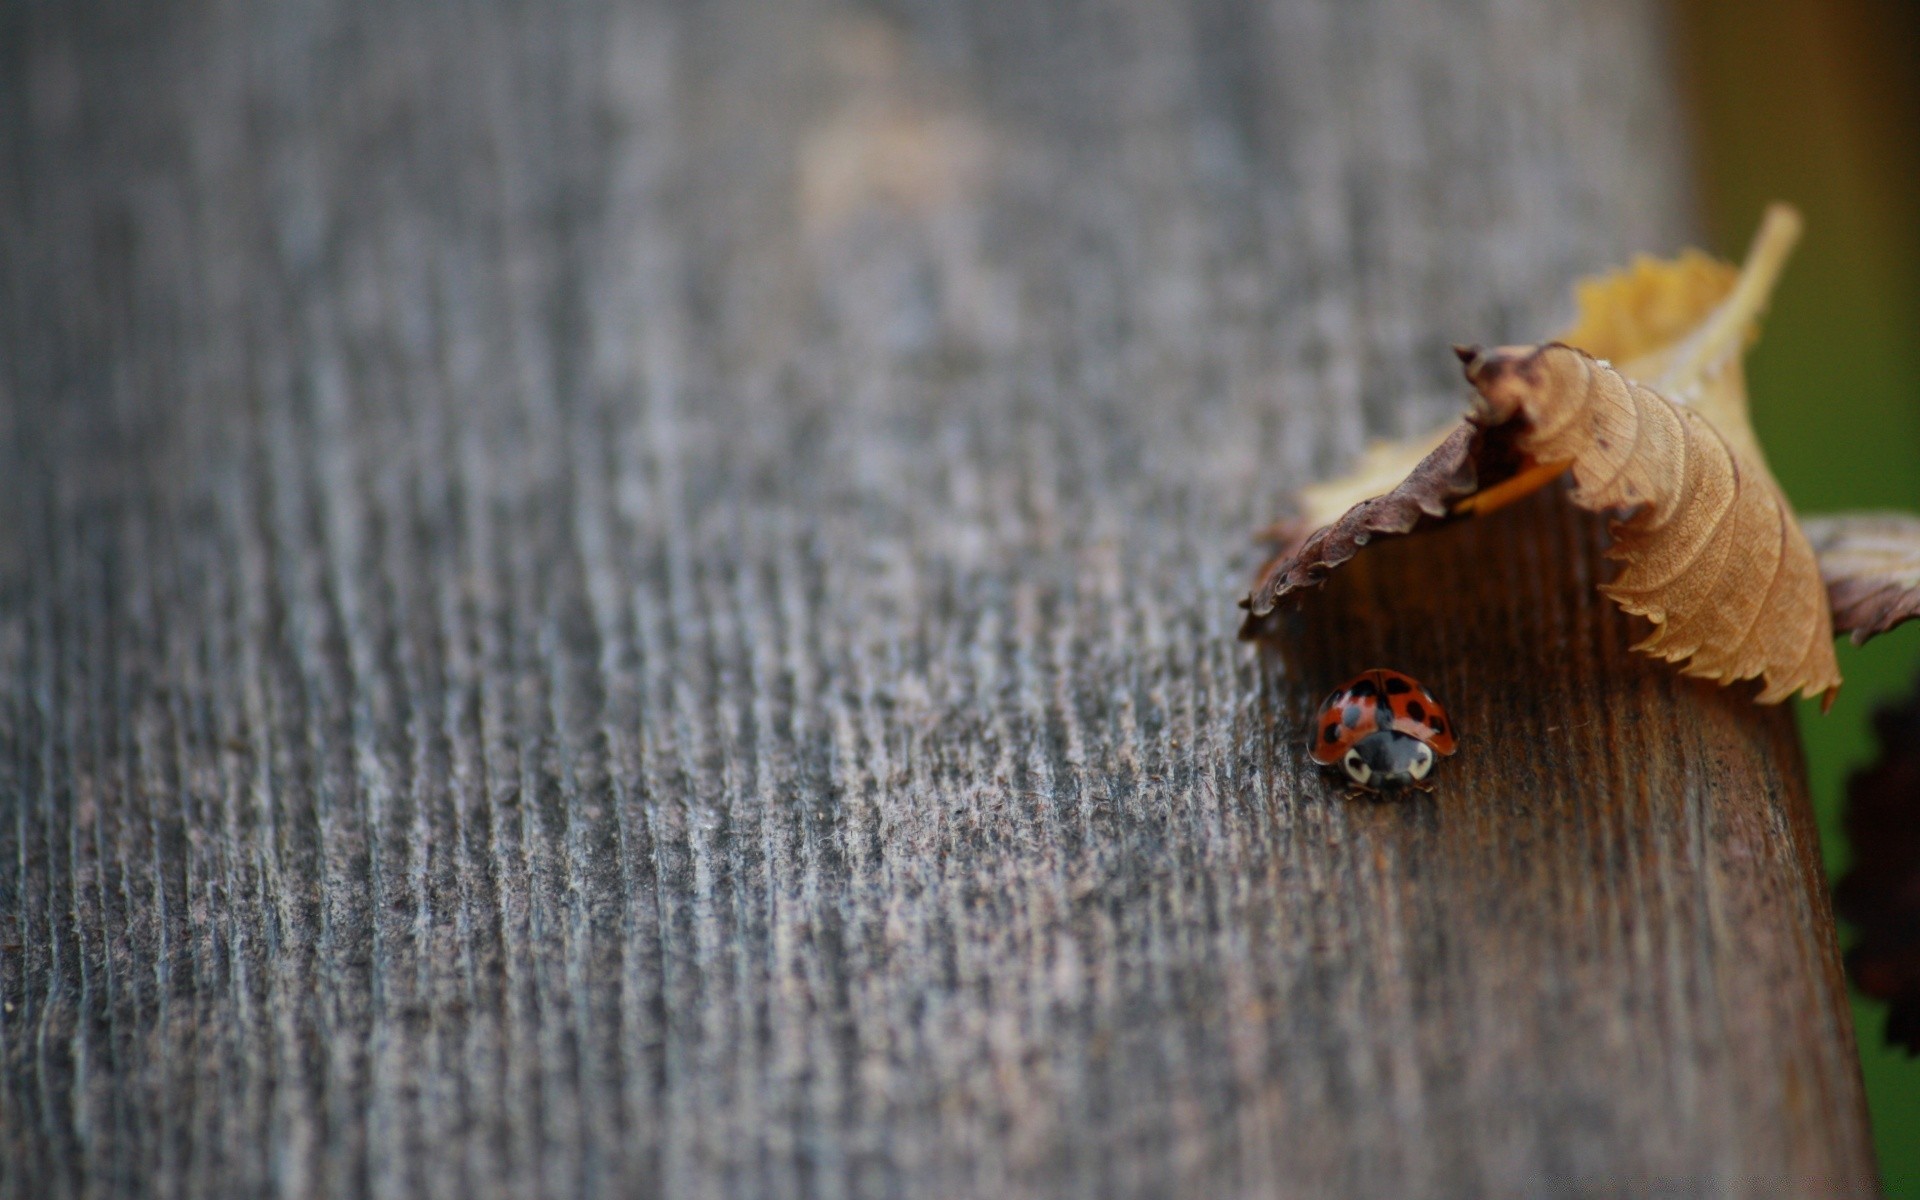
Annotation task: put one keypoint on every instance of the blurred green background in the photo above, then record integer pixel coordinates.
(1818, 102)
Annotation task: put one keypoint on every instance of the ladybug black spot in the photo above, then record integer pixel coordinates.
(1333, 732)
(1397, 686)
(1416, 710)
(1364, 690)
(1436, 724)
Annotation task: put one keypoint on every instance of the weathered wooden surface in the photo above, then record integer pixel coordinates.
(639, 600)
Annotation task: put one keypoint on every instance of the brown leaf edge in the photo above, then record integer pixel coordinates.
(1471, 461)
(1304, 560)
(1880, 893)
(1870, 563)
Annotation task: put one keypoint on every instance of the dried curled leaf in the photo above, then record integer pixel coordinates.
(1871, 564)
(1712, 553)
(1710, 550)
(1880, 893)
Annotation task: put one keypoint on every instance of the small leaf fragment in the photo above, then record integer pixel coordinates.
(1871, 564)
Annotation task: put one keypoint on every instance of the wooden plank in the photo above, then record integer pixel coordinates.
(638, 600)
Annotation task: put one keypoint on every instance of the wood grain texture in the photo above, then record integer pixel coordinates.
(638, 600)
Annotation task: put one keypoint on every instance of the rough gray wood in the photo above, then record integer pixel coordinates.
(638, 600)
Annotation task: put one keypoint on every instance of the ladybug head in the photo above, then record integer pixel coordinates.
(1386, 759)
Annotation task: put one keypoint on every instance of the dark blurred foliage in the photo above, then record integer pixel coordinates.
(1880, 895)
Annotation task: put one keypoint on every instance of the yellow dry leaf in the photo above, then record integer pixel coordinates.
(1634, 316)
(1644, 400)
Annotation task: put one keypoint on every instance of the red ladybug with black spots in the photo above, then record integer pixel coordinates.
(1385, 730)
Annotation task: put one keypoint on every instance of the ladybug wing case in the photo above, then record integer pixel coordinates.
(1415, 712)
(1344, 718)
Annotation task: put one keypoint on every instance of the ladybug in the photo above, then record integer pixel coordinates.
(1384, 729)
